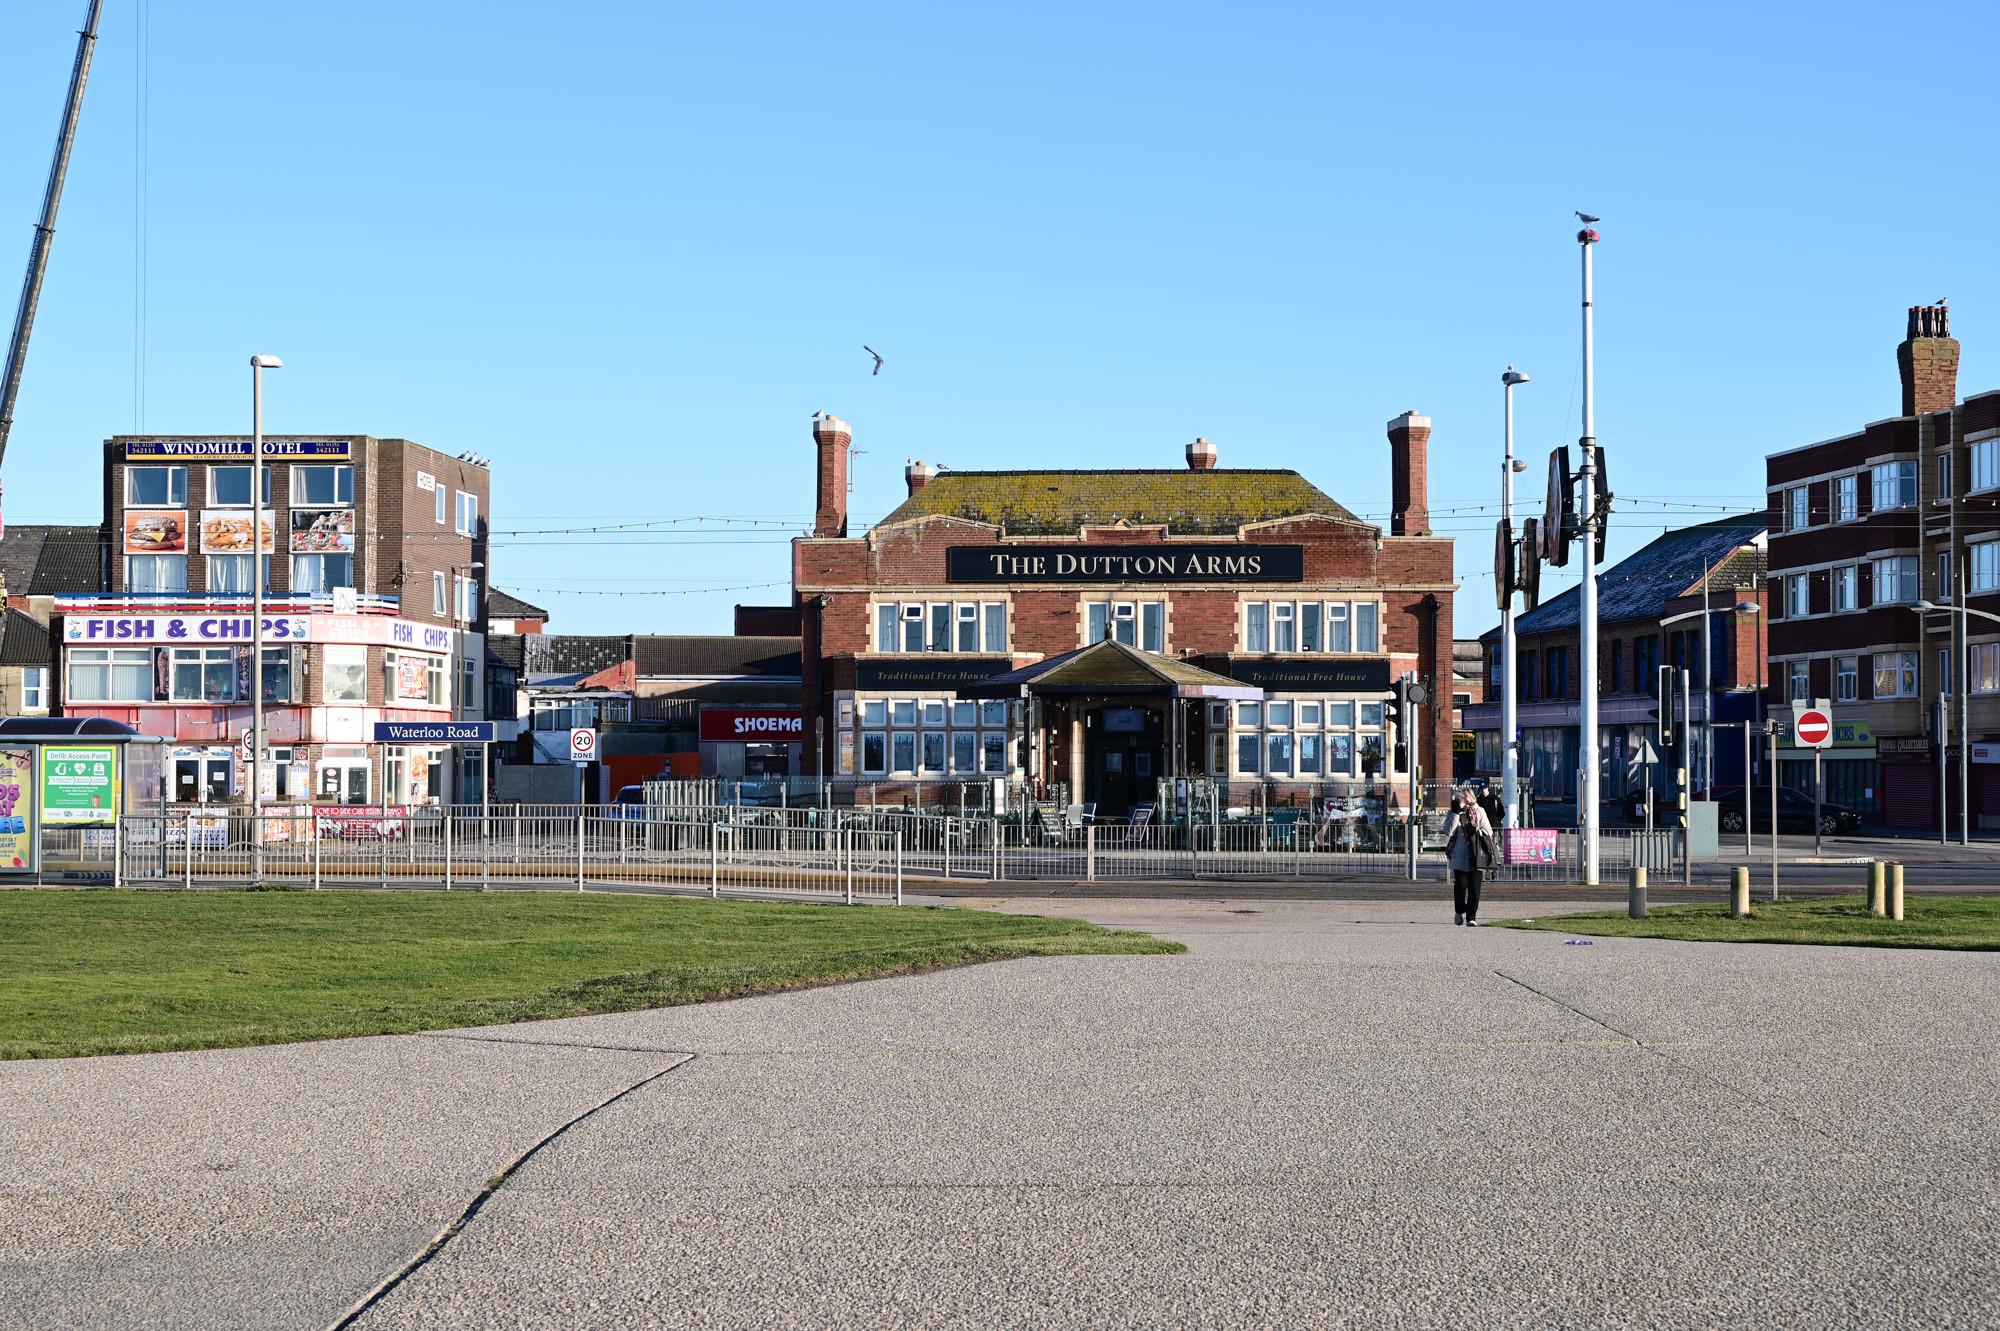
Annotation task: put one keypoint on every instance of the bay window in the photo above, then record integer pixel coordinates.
(1894, 485)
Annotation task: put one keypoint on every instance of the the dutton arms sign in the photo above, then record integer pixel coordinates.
(1186, 565)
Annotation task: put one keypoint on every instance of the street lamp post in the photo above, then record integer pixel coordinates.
(258, 364)
(1510, 745)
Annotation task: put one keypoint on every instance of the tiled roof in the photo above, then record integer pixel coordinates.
(506, 649)
(1639, 586)
(1110, 666)
(664, 656)
(1058, 503)
(51, 561)
(26, 641)
(501, 605)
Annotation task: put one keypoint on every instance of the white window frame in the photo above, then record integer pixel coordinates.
(467, 523)
(1901, 674)
(34, 688)
(1893, 484)
(344, 658)
(1798, 596)
(1798, 681)
(1983, 566)
(215, 471)
(1982, 667)
(1985, 463)
(177, 484)
(1895, 580)
(339, 469)
(1846, 582)
(1846, 678)
(1846, 498)
(440, 595)
(439, 495)
(1798, 509)
(156, 564)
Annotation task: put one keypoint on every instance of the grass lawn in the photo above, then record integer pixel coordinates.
(1971, 923)
(103, 972)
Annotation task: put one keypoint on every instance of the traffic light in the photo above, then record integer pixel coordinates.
(1393, 712)
(1664, 694)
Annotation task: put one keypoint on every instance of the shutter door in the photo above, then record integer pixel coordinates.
(1909, 795)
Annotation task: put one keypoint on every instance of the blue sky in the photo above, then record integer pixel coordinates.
(628, 253)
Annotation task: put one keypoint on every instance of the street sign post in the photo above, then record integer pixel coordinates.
(1812, 728)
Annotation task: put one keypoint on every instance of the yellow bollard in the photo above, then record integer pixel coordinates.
(1739, 892)
(1877, 875)
(1635, 898)
(1896, 891)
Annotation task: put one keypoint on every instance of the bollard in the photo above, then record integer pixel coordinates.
(1896, 891)
(1877, 877)
(1090, 853)
(1635, 903)
(1739, 892)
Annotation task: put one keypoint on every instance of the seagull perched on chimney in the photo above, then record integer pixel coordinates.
(878, 358)
(1587, 218)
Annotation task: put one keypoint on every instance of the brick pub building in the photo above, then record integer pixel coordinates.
(1255, 628)
(1903, 510)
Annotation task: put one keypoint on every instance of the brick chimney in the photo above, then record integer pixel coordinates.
(832, 436)
(919, 474)
(1201, 456)
(1409, 475)
(1928, 359)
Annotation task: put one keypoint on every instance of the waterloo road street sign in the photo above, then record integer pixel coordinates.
(433, 732)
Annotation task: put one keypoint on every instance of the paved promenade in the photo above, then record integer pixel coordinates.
(1328, 1113)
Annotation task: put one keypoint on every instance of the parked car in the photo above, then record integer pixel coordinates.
(1795, 811)
(629, 804)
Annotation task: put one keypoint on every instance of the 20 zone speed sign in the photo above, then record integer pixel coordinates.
(583, 746)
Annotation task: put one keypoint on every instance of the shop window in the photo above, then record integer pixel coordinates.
(1340, 716)
(1309, 714)
(1309, 755)
(99, 674)
(1371, 716)
(904, 751)
(1218, 755)
(229, 487)
(1278, 714)
(933, 712)
(156, 573)
(1249, 715)
(875, 754)
(1247, 747)
(1280, 750)
(964, 751)
(933, 752)
(156, 487)
(1340, 755)
(1370, 752)
(319, 487)
(204, 674)
(995, 753)
(903, 712)
(993, 714)
(964, 714)
(345, 671)
(874, 712)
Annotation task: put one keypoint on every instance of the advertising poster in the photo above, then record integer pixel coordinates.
(327, 531)
(79, 785)
(1528, 845)
(17, 839)
(410, 677)
(847, 753)
(361, 822)
(226, 531)
(149, 533)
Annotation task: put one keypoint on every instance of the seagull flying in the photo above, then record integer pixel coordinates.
(1587, 218)
(878, 358)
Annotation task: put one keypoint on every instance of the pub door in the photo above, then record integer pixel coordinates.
(1123, 758)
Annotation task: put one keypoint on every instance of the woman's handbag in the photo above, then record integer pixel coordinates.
(1485, 853)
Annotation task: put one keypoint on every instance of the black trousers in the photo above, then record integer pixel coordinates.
(1465, 892)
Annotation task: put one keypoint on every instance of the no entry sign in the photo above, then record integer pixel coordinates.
(1812, 728)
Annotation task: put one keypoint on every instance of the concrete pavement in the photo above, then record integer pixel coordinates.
(1327, 1113)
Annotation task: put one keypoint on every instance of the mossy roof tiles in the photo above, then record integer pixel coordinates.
(1059, 503)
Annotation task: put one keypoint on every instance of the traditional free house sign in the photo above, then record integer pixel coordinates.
(1177, 565)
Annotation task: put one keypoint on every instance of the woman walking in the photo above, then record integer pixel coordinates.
(1468, 844)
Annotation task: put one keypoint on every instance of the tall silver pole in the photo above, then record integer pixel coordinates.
(1961, 689)
(1510, 737)
(1707, 694)
(1587, 810)
(45, 229)
(256, 617)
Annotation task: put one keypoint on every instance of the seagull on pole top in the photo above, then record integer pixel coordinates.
(877, 355)
(1586, 218)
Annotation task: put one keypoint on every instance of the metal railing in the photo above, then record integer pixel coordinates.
(853, 853)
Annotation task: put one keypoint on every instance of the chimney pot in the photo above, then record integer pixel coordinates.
(1201, 456)
(919, 474)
